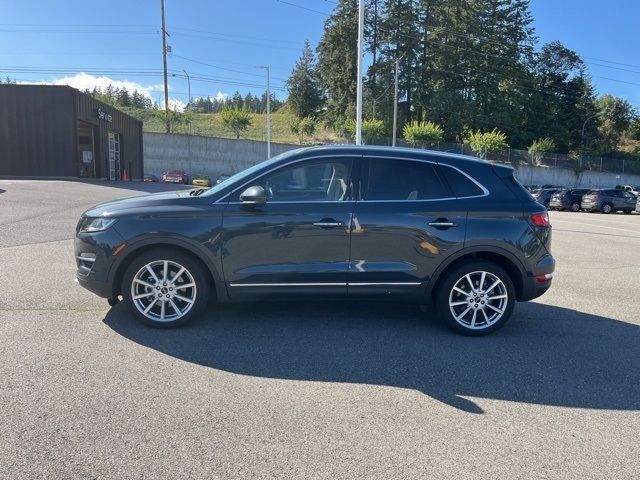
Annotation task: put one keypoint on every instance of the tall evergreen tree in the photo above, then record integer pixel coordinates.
(305, 93)
(337, 61)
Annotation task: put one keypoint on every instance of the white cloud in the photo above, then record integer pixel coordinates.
(82, 81)
(85, 80)
(221, 96)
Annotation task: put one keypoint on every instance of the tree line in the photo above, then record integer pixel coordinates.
(468, 67)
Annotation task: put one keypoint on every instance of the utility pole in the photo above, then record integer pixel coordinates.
(359, 84)
(266, 67)
(164, 62)
(395, 104)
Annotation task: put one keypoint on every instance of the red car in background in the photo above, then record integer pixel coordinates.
(175, 176)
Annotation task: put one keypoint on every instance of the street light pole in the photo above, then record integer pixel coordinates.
(395, 104)
(359, 83)
(584, 125)
(266, 67)
(189, 82)
(164, 62)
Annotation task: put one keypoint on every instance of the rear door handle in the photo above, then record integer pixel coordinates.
(442, 224)
(328, 223)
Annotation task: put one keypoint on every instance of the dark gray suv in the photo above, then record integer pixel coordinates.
(341, 221)
(608, 201)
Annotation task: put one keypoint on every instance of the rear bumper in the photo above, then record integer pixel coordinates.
(537, 284)
(590, 207)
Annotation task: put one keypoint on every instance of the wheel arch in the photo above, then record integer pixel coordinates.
(504, 259)
(197, 252)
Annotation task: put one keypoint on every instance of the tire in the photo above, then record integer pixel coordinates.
(449, 299)
(606, 208)
(575, 207)
(627, 211)
(180, 304)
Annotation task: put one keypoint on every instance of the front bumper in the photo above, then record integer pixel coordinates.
(94, 274)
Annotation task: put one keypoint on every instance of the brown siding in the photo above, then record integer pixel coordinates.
(38, 132)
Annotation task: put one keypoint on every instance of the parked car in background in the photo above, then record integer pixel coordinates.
(609, 201)
(149, 178)
(543, 195)
(568, 199)
(175, 176)
(425, 227)
(629, 188)
(222, 178)
(201, 181)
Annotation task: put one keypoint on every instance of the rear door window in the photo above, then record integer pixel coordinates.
(461, 185)
(403, 180)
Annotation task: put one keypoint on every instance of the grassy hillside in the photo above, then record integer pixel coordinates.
(211, 125)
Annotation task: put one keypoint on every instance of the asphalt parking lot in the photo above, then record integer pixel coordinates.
(349, 390)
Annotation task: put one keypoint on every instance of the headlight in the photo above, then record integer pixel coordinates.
(95, 224)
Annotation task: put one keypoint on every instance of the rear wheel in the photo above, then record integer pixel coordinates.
(627, 211)
(164, 288)
(575, 207)
(476, 299)
(607, 208)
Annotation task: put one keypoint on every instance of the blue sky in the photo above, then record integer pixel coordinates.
(224, 40)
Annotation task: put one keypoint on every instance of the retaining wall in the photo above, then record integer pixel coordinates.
(215, 156)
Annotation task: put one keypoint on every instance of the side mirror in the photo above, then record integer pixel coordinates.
(254, 196)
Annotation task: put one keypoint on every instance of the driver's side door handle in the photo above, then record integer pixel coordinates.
(443, 224)
(328, 223)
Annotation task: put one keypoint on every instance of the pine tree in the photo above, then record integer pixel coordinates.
(305, 94)
(337, 61)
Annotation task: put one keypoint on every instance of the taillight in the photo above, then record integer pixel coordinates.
(540, 219)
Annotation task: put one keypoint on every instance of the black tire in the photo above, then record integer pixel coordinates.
(606, 208)
(445, 292)
(575, 207)
(193, 268)
(627, 211)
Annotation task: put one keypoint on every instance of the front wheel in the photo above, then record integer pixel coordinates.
(607, 208)
(476, 299)
(164, 288)
(575, 207)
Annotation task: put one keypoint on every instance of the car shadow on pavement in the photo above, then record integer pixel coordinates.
(545, 355)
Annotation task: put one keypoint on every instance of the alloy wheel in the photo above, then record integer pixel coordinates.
(163, 291)
(478, 300)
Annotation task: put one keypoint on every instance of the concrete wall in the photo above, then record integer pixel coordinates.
(215, 156)
(528, 175)
(204, 155)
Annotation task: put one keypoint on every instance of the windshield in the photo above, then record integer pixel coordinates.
(240, 175)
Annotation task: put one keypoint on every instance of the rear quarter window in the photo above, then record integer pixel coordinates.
(461, 185)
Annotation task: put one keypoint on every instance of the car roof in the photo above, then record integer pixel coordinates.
(392, 151)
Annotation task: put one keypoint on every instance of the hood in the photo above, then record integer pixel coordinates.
(112, 208)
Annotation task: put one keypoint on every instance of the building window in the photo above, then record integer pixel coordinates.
(114, 156)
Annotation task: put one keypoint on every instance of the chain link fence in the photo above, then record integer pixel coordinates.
(523, 157)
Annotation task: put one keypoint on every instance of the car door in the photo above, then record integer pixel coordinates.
(298, 241)
(405, 223)
(628, 200)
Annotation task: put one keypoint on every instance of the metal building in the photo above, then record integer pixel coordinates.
(58, 131)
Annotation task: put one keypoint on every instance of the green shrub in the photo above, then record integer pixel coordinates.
(422, 133)
(371, 130)
(539, 147)
(483, 143)
(303, 127)
(238, 120)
